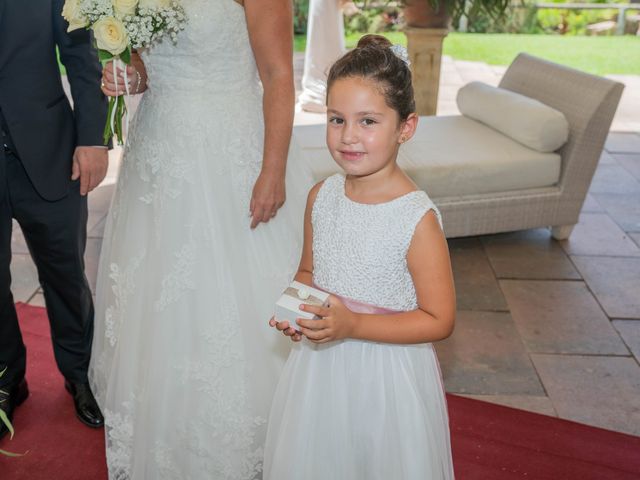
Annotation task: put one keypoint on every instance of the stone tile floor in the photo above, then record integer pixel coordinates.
(554, 327)
(551, 327)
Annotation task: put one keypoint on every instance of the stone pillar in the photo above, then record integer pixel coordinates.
(425, 53)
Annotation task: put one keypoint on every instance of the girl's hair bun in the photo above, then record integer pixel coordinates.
(375, 59)
(371, 40)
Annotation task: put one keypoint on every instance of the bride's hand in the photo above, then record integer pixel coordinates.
(268, 196)
(136, 77)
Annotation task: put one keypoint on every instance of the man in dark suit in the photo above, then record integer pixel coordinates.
(50, 158)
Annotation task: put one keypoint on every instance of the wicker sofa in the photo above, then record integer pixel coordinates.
(484, 182)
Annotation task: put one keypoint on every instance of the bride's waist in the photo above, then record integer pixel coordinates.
(191, 107)
(203, 87)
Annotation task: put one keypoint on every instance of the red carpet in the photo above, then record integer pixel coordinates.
(60, 447)
(490, 442)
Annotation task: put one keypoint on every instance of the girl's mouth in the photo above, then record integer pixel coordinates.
(352, 156)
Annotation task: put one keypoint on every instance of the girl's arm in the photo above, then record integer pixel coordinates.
(270, 32)
(305, 268)
(428, 261)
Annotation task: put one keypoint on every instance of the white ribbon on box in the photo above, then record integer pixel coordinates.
(304, 295)
(288, 305)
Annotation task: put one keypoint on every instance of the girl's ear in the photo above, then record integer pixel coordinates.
(408, 127)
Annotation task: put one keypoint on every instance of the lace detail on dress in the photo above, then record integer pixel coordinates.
(119, 433)
(180, 279)
(227, 409)
(359, 250)
(166, 466)
(246, 154)
(164, 175)
(123, 287)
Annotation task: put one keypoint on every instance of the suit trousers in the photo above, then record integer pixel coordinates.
(56, 234)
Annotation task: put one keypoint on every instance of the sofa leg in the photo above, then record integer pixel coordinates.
(561, 232)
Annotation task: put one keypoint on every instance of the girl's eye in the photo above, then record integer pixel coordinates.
(368, 121)
(336, 120)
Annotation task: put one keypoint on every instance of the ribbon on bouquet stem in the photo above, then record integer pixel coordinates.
(117, 62)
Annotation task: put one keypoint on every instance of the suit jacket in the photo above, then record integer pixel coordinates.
(42, 126)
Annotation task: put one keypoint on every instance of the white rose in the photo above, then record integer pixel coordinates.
(155, 4)
(111, 35)
(124, 7)
(71, 13)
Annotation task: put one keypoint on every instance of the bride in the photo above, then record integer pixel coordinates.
(194, 256)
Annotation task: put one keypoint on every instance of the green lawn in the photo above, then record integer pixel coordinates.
(598, 55)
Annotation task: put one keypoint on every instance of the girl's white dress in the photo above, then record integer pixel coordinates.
(184, 363)
(355, 410)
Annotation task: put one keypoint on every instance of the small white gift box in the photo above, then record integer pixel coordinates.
(288, 306)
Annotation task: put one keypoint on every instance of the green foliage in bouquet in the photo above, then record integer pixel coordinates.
(5, 420)
(118, 103)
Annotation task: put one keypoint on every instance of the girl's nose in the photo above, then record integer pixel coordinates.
(349, 134)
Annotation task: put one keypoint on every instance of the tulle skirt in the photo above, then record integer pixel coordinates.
(353, 410)
(184, 363)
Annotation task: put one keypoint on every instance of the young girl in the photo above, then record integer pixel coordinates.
(361, 395)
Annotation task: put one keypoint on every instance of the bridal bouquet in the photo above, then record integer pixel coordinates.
(119, 27)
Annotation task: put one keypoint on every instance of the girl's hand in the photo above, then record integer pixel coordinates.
(286, 329)
(136, 76)
(337, 322)
(267, 198)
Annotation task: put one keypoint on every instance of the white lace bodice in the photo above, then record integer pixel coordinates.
(212, 56)
(359, 250)
(204, 97)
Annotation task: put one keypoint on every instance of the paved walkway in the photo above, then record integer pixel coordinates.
(547, 326)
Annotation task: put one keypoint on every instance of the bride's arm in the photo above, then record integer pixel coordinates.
(270, 27)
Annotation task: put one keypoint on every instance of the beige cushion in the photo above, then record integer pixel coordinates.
(524, 119)
(452, 156)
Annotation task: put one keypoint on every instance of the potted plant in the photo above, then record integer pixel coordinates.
(427, 23)
(438, 13)
(427, 13)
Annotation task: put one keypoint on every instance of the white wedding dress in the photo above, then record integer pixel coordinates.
(184, 364)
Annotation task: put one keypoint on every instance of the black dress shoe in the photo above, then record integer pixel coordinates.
(87, 409)
(10, 398)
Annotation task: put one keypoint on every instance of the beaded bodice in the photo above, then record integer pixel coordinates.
(360, 250)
